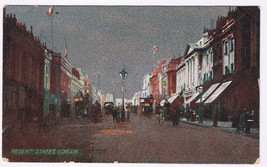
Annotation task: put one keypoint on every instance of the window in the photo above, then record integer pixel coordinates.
(232, 67)
(211, 75)
(211, 57)
(225, 47)
(232, 44)
(227, 71)
(206, 77)
(207, 59)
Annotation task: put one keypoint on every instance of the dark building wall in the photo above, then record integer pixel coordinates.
(23, 70)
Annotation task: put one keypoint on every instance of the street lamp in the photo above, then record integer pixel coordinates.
(123, 74)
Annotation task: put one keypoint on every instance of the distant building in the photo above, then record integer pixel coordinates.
(146, 89)
(180, 77)
(157, 82)
(76, 85)
(136, 99)
(171, 74)
(61, 77)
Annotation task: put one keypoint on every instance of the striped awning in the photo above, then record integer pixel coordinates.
(208, 92)
(192, 98)
(218, 92)
(171, 99)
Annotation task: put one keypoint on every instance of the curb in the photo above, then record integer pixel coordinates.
(255, 136)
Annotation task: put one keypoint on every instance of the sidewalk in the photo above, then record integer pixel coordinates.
(224, 126)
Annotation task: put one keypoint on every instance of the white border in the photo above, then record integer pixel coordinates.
(263, 57)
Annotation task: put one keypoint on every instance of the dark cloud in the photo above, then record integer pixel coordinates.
(103, 40)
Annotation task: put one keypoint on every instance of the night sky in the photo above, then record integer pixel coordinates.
(103, 40)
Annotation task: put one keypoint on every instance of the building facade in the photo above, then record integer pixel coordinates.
(23, 71)
(171, 73)
(229, 66)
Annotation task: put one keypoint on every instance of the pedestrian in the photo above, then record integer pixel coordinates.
(114, 115)
(249, 120)
(188, 114)
(162, 116)
(128, 115)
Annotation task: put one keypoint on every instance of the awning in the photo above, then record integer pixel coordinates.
(208, 92)
(171, 99)
(162, 102)
(192, 98)
(218, 92)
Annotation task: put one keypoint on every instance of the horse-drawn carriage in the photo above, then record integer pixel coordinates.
(146, 105)
(85, 109)
(170, 113)
(110, 109)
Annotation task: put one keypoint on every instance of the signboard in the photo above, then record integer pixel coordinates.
(147, 104)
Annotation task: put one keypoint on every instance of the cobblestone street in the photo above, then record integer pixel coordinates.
(142, 140)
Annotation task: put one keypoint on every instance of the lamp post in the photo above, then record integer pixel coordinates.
(123, 74)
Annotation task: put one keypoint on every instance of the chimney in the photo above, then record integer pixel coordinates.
(31, 29)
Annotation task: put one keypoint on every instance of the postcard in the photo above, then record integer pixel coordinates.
(137, 84)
